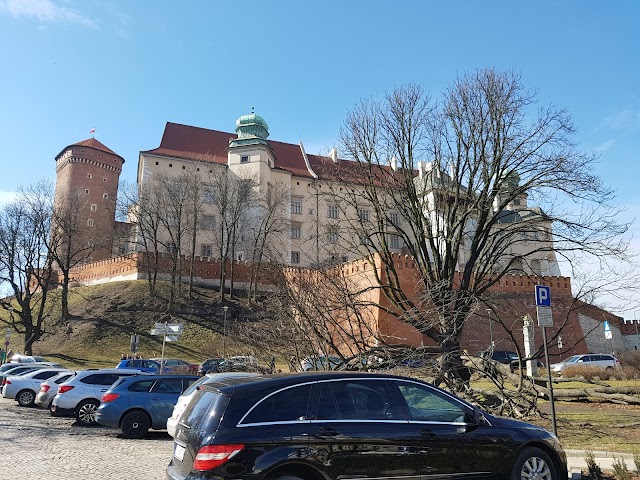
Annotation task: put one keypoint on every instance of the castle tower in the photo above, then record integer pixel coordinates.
(87, 175)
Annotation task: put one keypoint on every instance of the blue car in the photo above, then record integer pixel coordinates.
(137, 404)
(149, 366)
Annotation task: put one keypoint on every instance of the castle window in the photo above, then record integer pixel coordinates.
(86, 190)
(171, 165)
(364, 214)
(183, 167)
(296, 231)
(208, 195)
(240, 257)
(344, 259)
(395, 241)
(157, 163)
(296, 206)
(89, 222)
(208, 222)
(104, 179)
(94, 207)
(244, 159)
(332, 236)
(206, 250)
(104, 195)
(88, 175)
(295, 258)
(333, 212)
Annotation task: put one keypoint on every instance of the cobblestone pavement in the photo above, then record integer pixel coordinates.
(36, 446)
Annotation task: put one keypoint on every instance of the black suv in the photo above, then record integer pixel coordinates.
(329, 425)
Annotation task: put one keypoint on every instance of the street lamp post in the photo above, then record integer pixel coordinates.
(224, 332)
(490, 327)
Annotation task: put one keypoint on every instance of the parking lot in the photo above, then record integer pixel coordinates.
(34, 445)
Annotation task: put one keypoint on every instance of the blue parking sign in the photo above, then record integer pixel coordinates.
(543, 296)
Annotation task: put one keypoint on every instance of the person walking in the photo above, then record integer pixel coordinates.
(3, 356)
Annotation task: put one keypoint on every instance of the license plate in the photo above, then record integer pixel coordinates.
(179, 452)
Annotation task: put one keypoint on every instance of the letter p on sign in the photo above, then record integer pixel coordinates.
(543, 296)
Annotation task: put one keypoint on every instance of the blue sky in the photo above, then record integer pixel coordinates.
(128, 67)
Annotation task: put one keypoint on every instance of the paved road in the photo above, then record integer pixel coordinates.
(36, 446)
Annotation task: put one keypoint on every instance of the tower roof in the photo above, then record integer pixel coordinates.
(91, 143)
(251, 129)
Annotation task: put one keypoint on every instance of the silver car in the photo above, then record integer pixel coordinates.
(600, 361)
(49, 389)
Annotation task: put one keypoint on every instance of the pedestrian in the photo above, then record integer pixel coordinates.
(123, 357)
(9, 355)
(3, 356)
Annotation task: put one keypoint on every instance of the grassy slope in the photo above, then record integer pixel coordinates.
(104, 317)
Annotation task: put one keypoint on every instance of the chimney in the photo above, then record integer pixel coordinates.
(394, 163)
(334, 155)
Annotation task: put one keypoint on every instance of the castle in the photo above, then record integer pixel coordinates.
(313, 232)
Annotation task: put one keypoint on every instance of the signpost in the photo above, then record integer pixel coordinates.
(608, 335)
(170, 333)
(545, 320)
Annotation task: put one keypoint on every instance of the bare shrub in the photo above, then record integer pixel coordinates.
(631, 359)
(620, 470)
(595, 472)
(590, 373)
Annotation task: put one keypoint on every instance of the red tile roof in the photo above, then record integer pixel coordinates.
(91, 143)
(195, 143)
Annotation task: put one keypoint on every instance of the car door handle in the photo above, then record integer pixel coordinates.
(327, 432)
(425, 432)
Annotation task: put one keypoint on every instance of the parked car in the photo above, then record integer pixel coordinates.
(137, 404)
(80, 396)
(20, 358)
(590, 360)
(351, 425)
(176, 365)
(49, 388)
(23, 388)
(186, 396)
(21, 369)
(320, 362)
(141, 364)
(239, 363)
(210, 365)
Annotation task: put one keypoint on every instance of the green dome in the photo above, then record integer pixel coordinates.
(251, 126)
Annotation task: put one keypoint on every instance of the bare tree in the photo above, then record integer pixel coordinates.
(271, 221)
(25, 264)
(463, 216)
(72, 241)
(143, 207)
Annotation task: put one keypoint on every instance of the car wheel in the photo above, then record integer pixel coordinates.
(50, 407)
(609, 369)
(135, 425)
(86, 412)
(534, 464)
(26, 398)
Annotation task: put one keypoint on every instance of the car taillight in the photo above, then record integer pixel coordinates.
(64, 388)
(109, 397)
(6, 382)
(212, 456)
(44, 388)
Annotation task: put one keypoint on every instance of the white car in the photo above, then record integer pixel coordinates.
(601, 361)
(49, 388)
(19, 358)
(25, 387)
(80, 396)
(183, 400)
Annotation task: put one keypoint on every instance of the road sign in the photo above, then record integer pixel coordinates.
(545, 316)
(6, 344)
(607, 331)
(170, 328)
(543, 306)
(133, 344)
(172, 338)
(543, 296)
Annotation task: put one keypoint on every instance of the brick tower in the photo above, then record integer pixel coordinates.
(87, 175)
